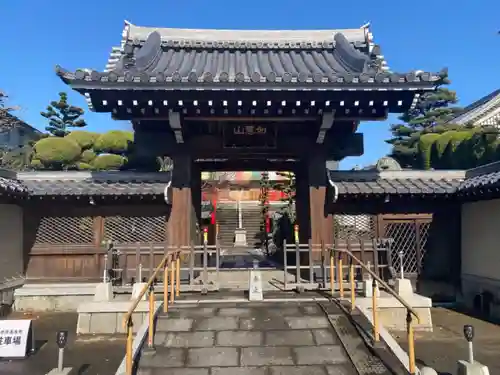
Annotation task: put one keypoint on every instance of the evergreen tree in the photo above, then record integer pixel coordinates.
(62, 116)
(288, 188)
(430, 115)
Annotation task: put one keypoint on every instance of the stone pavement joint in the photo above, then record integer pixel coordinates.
(292, 338)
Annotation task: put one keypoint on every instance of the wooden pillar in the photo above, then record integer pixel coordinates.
(320, 215)
(302, 202)
(179, 221)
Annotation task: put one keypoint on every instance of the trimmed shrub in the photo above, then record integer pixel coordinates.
(108, 162)
(425, 146)
(114, 142)
(88, 156)
(440, 145)
(83, 138)
(56, 152)
(83, 166)
(36, 164)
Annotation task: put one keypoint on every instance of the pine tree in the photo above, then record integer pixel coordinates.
(432, 112)
(62, 116)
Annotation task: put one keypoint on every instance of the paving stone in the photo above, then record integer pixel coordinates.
(159, 338)
(164, 357)
(193, 312)
(212, 357)
(266, 356)
(239, 338)
(174, 325)
(263, 323)
(339, 370)
(307, 322)
(289, 338)
(235, 311)
(284, 311)
(174, 371)
(216, 323)
(319, 355)
(297, 370)
(312, 310)
(189, 339)
(239, 371)
(324, 337)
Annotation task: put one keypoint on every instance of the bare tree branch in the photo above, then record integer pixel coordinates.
(7, 120)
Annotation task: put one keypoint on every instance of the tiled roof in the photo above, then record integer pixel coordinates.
(481, 178)
(88, 184)
(396, 182)
(173, 58)
(12, 186)
(478, 110)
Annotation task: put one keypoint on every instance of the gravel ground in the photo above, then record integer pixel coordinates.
(88, 355)
(442, 348)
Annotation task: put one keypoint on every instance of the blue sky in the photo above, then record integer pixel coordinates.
(427, 35)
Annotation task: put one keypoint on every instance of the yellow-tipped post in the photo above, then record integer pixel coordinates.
(178, 275)
(353, 286)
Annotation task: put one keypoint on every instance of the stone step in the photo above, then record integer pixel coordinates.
(257, 338)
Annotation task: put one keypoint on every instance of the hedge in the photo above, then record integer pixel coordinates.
(107, 162)
(83, 138)
(56, 152)
(114, 142)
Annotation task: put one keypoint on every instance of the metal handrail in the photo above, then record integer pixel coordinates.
(147, 286)
(170, 259)
(381, 282)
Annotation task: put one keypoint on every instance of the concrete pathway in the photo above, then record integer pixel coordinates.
(264, 338)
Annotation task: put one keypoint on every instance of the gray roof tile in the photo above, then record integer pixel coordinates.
(172, 57)
(11, 186)
(87, 184)
(353, 183)
(484, 177)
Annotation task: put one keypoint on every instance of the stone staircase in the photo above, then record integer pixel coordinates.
(277, 338)
(252, 218)
(227, 218)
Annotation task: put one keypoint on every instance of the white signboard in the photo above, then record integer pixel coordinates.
(255, 287)
(14, 335)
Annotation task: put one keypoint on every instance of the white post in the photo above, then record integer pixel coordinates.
(140, 273)
(401, 268)
(240, 218)
(105, 272)
(471, 352)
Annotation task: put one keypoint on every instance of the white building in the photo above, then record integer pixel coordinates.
(483, 112)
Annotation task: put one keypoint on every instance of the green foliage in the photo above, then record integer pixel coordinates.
(87, 156)
(17, 159)
(432, 112)
(83, 166)
(106, 162)
(114, 142)
(265, 185)
(36, 164)
(288, 188)
(83, 138)
(62, 116)
(451, 158)
(425, 146)
(56, 152)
